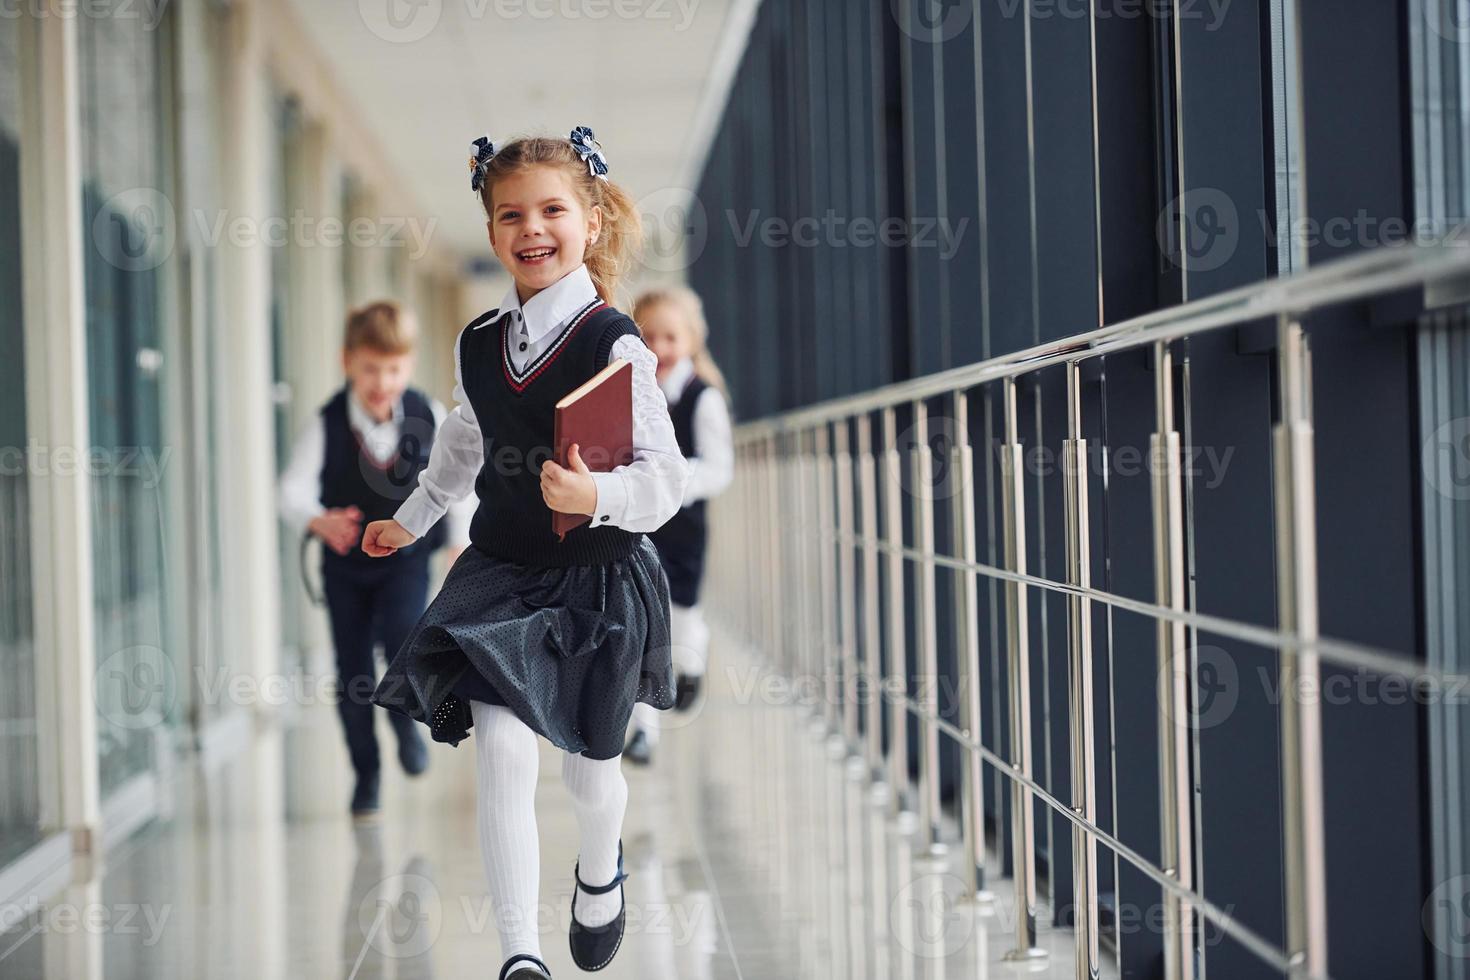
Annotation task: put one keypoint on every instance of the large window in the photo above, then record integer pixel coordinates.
(128, 239)
(18, 783)
(1438, 30)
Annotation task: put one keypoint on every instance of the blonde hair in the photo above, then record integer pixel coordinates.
(383, 326)
(621, 233)
(687, 302)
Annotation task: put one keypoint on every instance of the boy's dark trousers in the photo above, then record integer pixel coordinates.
(371, 600)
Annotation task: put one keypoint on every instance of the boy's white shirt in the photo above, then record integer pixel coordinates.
(639, 496)
(712, 468)
(299, 489)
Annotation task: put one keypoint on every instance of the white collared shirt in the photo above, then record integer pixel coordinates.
(713, 468)
(639, 496)
(299, 489)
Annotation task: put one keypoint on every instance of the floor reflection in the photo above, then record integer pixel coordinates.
(756, 850)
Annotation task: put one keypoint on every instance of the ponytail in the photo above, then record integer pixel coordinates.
(618, 241)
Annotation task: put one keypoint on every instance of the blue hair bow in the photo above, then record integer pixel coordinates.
(590, 151)
(481, 150)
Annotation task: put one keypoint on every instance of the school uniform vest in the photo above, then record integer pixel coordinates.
(681, 540)
(516, 411)
(351, 476)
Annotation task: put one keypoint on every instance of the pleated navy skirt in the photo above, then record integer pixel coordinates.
(569, 650)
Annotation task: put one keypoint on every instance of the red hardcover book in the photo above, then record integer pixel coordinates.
(598, 417)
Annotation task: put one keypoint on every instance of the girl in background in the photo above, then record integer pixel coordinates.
(674, 328)
(530, 635)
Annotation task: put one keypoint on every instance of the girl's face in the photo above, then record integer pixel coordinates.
(539, 229)
(667, 335)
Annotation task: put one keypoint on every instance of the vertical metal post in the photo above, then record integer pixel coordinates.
(927, 695)
(797, 614)
(847, 592)
(1301, 712)
(827, 645)
(872, 640)
(1018, 660)
(777, 519)
(967, 632)
(765, 567)
(1175, 803)
(807, 617)
(1084, 790)
(895, 686)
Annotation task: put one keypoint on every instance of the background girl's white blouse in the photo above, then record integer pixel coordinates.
(712, 467)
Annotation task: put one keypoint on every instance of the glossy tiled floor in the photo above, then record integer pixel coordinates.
(754, 853)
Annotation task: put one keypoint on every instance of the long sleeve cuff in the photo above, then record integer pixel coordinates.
(612, 499)
(298, 516)
(417, 514)
(460, 515)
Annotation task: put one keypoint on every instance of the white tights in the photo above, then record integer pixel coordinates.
(689, 634)
(507, 763)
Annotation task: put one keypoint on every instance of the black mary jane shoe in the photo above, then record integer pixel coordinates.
(639, 750)
(524, 972)
(413, 754)
(686, 691)
(593, 947)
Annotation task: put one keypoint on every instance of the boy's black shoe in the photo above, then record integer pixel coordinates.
(524, 972)
(686, 691)
(593, 947)
(413, 753)
(639, 750)
(365, 796)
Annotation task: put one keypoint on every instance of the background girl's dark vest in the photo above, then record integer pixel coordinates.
(681, 542)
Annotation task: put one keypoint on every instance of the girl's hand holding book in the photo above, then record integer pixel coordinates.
(569, 489)
(382, 538)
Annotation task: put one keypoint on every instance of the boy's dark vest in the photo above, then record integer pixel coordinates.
(352, 476)
(516, 411)
(681, 541)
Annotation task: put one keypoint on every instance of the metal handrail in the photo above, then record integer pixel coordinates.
(1379, 660)
(795, 455)
(1381, 271)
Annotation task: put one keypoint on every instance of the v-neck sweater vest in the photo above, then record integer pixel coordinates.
(516, 411)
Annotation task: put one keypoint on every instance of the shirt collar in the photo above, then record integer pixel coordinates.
(678, 376)
(361, 419)
(555, 305)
